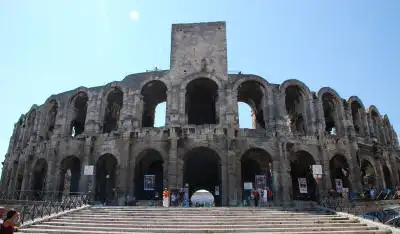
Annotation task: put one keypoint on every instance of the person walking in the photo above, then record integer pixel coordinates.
(256, 196)
(166, 198)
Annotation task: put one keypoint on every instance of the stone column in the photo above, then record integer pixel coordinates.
(276, 180)
(354, 169)
(311, 120)
(270, 112)
(232, 177)
(173, 160)
(172, 109)
(220, 107)
(223, 192)
(286, 183)
(239, 182)
(327, 183)
(282, 127)
(14, 168)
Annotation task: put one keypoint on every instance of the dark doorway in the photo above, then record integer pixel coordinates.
(201, 98)
(69, 175)
(39, 178)
(368, 178)
(202, 170)
(256, 162)
(386, 175)
(150, 163)
(339, 169)
(300, 165)
(153, 93)
(112, 111)
(106, 168)
(294, 103)
(80, 102)
(252, 93)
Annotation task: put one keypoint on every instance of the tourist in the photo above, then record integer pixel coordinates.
(173, 199)
(10, 222)
(256, 196)
(165, 198)
(1, 214)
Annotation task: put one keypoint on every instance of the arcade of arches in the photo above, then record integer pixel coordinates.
(202, 168)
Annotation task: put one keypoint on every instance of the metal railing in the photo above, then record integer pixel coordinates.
(37, 204)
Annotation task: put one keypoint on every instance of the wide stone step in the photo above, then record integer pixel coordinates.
(296, 232)
(201, 215)
(201, 219)
(204, 213)
(206, 225)
(211, 222)
(185, 229)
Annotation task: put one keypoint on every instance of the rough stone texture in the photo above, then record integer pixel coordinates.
(199, 51)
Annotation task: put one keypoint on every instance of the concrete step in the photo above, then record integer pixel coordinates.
(185, 229)
(108, 232)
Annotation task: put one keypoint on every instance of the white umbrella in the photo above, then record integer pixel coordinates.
(202, 197)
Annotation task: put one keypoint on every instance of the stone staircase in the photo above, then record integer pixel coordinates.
(109, 220)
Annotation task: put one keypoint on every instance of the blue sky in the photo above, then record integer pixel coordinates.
(48, 47)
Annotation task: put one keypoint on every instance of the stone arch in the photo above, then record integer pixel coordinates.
(387, 178)
(149, 174)
(52, 111)
(332, 110)
(114, 103)
(387, 127)
(300, 164)
(154, 92)
(39, 178)
(339, 169)
(358, 114)
(69, 174)
(188, 79)
(368, 174)
(78, 110)
(376, 122)
(106, 173)
(295, 101)
(206, 162)
(293, 82)
(256, 162)
(253, 93)
(201, 101)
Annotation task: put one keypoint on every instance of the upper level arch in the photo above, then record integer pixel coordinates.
(295, 98)
(114, 103)
(188, 79)
(305, 91)
(332, 109)
(77, 113)
(153, 93)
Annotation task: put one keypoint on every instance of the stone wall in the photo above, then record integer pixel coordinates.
(199, 51)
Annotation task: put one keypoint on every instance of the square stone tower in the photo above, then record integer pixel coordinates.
(199, 47)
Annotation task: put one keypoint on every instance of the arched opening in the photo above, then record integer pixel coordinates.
(69, 175)
(251, 93)
(20, 179)
(246, 116)
(301, 173)
(149, 177)
(160, 115)
(201, 98)
(368, 177)
(202, 170)
(339, 171)
(30, 125)
(356, 112)
(294, 102)
(106, 169)
(80, 104)
(39, 178)
(51, 121)
(113, 110)
(330, 113)
(387, 130)
(153, 93)
(375, 123)
(256, 163)
(387, 177)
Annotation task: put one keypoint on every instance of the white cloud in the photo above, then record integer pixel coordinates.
(134, 15)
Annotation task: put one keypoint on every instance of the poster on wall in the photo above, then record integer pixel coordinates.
(248, 185)
(261, 182)
(216, 190)
(302, 185)
(149, 182)
(339, 185)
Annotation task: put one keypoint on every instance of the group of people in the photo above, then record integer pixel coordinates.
(172, 198)
(10, 222)
(264, 195)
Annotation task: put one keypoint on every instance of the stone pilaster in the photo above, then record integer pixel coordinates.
(232, 177)
(173, 160)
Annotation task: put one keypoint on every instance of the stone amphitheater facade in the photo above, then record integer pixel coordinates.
(112, 128)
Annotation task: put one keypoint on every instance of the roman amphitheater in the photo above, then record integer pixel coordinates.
(103, 140)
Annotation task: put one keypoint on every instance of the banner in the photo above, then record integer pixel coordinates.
(261, 182)
(248, 186)
(302, 185)
(339, 185)
(88, 170)
(149, 182)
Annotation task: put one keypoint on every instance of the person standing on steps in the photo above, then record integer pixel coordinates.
(256, 196)
(166, 198)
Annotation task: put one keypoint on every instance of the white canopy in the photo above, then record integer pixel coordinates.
(202, 197)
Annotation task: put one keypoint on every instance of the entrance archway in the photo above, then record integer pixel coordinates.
(39, 178)
(300, 165)
(70, 172)
(368, 177)
(387, 177)
(106, 168)
(256, 162)
(339, 169)
(202, 170)
(150, 164)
